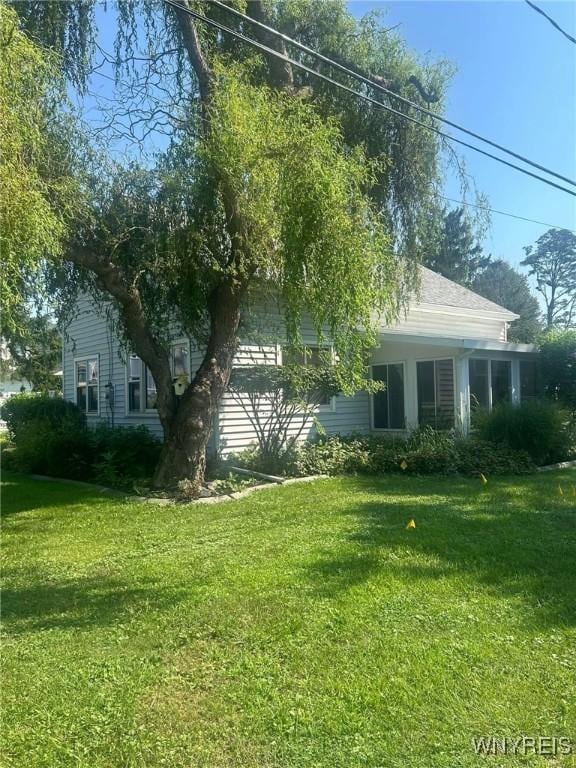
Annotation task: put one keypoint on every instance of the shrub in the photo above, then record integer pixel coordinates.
(539, 427)
(46, 450)
(424, 453)
(20, 410)
(51, 438)
(123, 455)
(558, 358)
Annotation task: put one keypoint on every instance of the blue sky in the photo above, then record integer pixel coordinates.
(515, 84)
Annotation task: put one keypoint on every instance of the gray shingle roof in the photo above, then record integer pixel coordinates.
(436, 289)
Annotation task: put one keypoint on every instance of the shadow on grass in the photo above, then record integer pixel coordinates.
(517, 539)
(84, 602)
(21, 493)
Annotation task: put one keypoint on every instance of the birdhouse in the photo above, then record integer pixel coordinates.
(180, 384)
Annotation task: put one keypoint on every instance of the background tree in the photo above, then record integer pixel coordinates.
(552, 262)
(272, 179)
(558, 364)
(454, 250)
(35, 353)
(504, 285)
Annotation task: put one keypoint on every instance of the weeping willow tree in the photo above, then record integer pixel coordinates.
(272, 179)
(36, 187)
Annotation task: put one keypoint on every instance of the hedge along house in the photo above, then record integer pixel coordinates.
(446, 356)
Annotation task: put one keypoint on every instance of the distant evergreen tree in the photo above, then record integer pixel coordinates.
(504, 285)
(455, 251)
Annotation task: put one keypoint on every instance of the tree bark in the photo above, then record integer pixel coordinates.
(184, 451)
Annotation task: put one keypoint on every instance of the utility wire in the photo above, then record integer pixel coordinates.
(548, 18)
(387, 108)
(378, 86)
(502, 213)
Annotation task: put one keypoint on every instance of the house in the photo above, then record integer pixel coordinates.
(447, 355)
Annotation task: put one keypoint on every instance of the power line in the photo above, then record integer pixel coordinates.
(378, 86)
(551, 20)
(503, 213)
(387, 108)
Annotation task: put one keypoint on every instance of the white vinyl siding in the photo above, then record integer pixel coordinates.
(452, 325)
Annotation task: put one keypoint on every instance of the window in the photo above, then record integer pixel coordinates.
(435, 382)
(134, 383)
(87, 385)
(180, 360)
(313, 355)
(142, 393)
(529, 379)
(388, 403)
(490, 382)
(479, 384)
(501, 380)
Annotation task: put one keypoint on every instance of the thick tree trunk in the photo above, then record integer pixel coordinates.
(187, 435)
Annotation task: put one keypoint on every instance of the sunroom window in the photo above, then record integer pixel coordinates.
(388, 403)
(490, 382)
(87, 385)
(435, 382)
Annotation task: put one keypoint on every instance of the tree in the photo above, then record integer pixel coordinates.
(552, 261)
(558, 364)
(272, 180)
(455, 251)
(35, 353)
(36, 188)
(504, 285)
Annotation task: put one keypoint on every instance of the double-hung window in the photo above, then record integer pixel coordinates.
(310, 355)
(87, 384)
(388, 403)
(142, 394)
(435, 384)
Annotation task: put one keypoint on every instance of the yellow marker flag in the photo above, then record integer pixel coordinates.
(411, 524)
(483, 478)
(403, 464)
(560, 491)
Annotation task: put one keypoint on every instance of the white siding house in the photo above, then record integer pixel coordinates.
(449, 353)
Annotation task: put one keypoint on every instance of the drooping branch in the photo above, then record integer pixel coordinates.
(109, 277)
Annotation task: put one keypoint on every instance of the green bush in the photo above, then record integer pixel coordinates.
(426, 452)
(51, 438)
(539, 427)
(20, 410)
(558, 364)
(123, 455)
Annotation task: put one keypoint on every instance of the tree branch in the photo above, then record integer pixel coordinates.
(110, 278)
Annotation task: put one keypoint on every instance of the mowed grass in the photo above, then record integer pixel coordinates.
(302, 626)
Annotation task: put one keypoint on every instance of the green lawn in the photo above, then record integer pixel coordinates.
(303, 626)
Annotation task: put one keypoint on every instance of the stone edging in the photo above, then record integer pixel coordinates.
(237, 494)
(170, 500)
(560, 465)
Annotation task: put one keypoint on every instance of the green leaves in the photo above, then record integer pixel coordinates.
(309, 227)
(35, 187)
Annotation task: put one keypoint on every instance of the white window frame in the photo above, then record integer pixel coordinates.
(85, 359)
(324, 407)
(435, 360)
(143, 410)
(404, 384)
